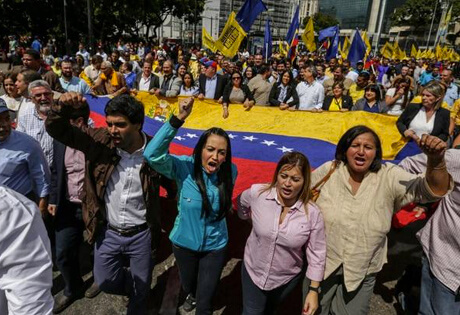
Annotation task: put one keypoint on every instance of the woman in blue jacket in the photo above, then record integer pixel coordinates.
(205, 183)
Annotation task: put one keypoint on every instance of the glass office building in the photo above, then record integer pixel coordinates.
(349, 13)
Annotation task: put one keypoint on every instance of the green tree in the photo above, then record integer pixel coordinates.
(418, 14)
(321, 21)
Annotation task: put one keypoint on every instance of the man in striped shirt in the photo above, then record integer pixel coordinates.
(440, 239)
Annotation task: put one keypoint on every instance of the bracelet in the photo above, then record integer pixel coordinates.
(442, 167)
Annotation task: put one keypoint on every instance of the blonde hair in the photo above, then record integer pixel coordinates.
(438, 90)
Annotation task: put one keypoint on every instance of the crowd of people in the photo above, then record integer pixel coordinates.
(325, 227)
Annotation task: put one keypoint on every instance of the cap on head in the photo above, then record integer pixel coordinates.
(210, 63)
(3, 107)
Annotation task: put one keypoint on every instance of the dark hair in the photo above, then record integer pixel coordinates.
(10, 75)
(366, 75)
(128, 106)
(128, 65)
(224, 176)
(30, 75)
(191, 76)
(291, 77)
(348, 137)
(263, 68)
(82, 111)
(374, 88)
(33, 53)
(245, 70)
(96, 59)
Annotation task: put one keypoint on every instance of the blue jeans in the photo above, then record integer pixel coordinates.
(261, 302)
(200, 274)
(69, 237)
(435, 297)
(110, 253)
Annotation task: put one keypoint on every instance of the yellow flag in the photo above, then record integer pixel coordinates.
(207, 40)
(438, 52)
(308, 36)
(230, 39)
(345, 48)
(368, 44)
(445, 53)
(397, 52)
(413, 51)
(282, 49)
(387, 50)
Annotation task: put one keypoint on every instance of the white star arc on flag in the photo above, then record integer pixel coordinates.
(268, 143)
(284, 149)
(250, 138)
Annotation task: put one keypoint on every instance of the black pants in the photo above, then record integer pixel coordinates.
(261, 302)
(69, 236)
(200, 274)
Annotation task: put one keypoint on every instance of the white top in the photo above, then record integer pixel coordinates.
(124, 197)
(144, 83)
(396, 108)
(26, 274)
(311, 96)
(420, 125)
(12, 103)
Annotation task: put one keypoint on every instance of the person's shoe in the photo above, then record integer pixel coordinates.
(61, 302)
(189, 304)
(92, 291)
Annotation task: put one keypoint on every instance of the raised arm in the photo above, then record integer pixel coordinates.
(156, 152)
(58, 125)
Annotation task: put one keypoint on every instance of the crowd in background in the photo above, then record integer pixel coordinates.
(108, 179)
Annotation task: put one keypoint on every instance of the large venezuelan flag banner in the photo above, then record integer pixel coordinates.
(259, 137)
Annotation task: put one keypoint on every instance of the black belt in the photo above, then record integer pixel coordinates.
(130, 231)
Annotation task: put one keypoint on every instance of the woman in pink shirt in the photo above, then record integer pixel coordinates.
(286, 227)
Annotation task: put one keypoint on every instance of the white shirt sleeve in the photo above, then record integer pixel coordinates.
(25, 257)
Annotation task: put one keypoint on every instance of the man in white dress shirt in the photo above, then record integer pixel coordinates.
(310, 91)
(25, 257)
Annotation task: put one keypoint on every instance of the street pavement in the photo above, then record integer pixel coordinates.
(165, 297)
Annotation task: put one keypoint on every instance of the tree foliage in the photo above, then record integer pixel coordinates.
(419, 13)
(321, 21)
(110, 19)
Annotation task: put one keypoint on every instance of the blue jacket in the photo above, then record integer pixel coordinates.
(190, 230)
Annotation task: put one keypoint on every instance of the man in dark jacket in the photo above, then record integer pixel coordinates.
(31, 60)
(120, 199)
(212, 84)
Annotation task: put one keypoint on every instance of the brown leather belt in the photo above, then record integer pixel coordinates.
(130, 231)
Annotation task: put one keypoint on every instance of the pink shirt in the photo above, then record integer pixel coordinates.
(74, 162)
(274, 252)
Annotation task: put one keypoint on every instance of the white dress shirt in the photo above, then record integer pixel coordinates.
(26, 274)
(144, 83)
(124, 197)
(311, 96)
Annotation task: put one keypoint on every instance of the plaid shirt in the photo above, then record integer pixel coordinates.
(31, 124)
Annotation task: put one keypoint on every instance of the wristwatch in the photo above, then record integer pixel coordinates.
(314, 289)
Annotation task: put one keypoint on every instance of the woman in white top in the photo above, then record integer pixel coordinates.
(399, 96)
(428, 117)
(11, 97)
(188, 87)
